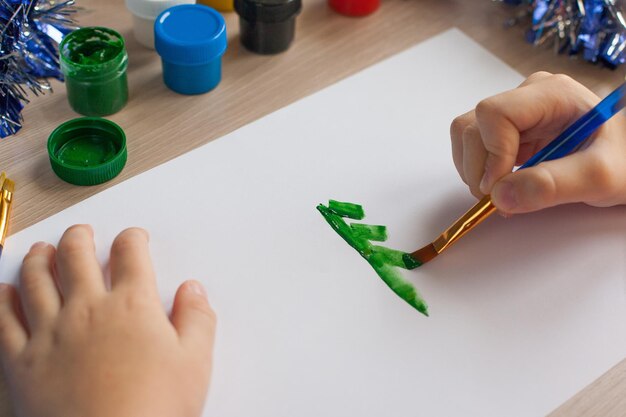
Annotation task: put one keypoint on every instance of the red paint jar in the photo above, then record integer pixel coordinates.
(354, 7)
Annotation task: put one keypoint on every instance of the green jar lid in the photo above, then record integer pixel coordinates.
(87, 150)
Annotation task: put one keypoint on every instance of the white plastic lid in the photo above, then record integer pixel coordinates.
(150, 9)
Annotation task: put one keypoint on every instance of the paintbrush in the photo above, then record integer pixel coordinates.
(6, 198)
(568, 141)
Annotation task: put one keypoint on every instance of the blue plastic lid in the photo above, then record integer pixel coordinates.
(190, 34)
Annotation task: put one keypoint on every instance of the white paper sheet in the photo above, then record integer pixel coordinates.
(524, 312)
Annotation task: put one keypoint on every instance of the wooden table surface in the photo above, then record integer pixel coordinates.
(161, 125)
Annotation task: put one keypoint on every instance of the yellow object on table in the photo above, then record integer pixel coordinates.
(6, 198)
(221, 5)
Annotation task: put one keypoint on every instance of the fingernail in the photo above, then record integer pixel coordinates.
(196, 288)
(139, 230)
(504, 196)
(39, 245)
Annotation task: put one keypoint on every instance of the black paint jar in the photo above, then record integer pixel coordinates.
(267, 26)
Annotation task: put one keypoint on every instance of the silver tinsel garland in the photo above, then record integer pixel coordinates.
(593, 29)
(30, 31)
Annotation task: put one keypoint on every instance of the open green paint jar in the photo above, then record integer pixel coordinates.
(94, 62)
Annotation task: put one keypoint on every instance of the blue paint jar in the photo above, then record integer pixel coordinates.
(191, 39)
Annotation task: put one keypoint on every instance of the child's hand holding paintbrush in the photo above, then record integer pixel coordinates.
(507, 129)
(564, 139)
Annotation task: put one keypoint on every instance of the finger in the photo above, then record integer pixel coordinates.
(536, 77)
(580, 177)
(193, 317)
(131, 265)
(525, 151)
(456, 136)
(40, 297)
(500, 119)
(474, 155)
(13, 336)
(78, 271)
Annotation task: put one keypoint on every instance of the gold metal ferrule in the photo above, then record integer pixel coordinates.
(465, 223)
(6, 198)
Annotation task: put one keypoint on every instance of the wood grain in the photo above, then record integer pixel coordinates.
(161, 125)
(606, 397)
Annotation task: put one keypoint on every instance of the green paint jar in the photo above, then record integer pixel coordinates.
(94, 62)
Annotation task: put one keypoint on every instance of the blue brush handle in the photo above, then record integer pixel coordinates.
(578, 132)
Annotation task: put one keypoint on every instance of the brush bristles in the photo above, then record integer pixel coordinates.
(426, 254)
(8, 185)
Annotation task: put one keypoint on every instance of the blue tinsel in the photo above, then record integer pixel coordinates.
(595, 29)
(30, 31)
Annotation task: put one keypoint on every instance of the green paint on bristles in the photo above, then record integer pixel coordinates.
(410, 262)
(385, 261)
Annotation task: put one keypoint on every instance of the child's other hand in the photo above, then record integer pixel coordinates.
(507, 129)
(72, 348)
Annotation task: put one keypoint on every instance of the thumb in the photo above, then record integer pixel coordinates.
(193, 317)
(580, 177)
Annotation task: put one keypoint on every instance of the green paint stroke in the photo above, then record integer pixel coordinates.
(385, 261)
(349, 210)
